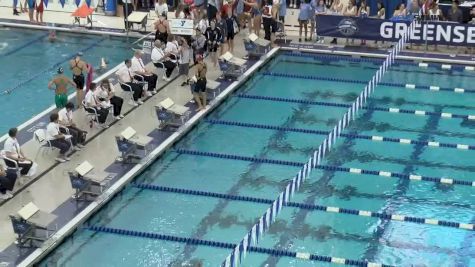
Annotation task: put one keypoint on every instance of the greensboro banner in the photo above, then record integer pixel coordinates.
(388, 30)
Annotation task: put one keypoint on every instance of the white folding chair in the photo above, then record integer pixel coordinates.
(40, 137)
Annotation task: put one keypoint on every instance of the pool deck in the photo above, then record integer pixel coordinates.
(51, 190)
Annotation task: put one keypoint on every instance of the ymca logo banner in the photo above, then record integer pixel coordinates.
(433, 32)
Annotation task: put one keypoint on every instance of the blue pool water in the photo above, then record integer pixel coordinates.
(29, 61)
(302, 230)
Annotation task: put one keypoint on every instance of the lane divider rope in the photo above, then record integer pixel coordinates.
(331, 104)
(322, 208)
(431, 88)
(377, 60)
(348, 135)
(264, 222)
(224, 245)
(411, 177)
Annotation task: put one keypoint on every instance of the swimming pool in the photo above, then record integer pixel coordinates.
(29, 61)
(212, 187)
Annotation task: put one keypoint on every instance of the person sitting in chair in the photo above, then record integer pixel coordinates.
(140, 72)
(57, 139)
(161, 59)
(92, 104)
(78, 136)
(126, 77)
(7, 182)
(13, 151)
(106, 94)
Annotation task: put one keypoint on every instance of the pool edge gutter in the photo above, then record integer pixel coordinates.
(57, 238)
(120, 33)
(331, 51)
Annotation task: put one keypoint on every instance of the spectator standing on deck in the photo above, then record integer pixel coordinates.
(350, 11)
(400, 12)
(213, 37)
(161, 8)
(380, 15)
(336, 9)
(212, 9)
(184, 61)
(282, 11)
(455, 14)
(60, 81)
(221, 25)
(15, 11)
(231, 28)
(268, 21)
(128, 8)
(320, 9)
(304, 16)
(31, 9)
(39, 11)
(363, 12)
(78, 67)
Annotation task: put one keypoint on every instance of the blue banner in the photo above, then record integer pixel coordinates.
(432, 32)
(88, 3)
(77, 2)
(62, 2)
(45, 2)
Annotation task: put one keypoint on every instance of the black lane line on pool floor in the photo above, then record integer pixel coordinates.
(312, 207)
(204, 225)
(402, 176)
(428, 88)
(373, 138)
(341, 105)
(217, 244)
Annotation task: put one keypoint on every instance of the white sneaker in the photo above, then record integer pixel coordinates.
(5, 196)
(121, 116)
(140, 102)
(76, 148)
(104, 126)
(148, 93)
(60, 160)
(117, 117)
(133, 103)
(154, 91)
(67, 158)
(80, 145)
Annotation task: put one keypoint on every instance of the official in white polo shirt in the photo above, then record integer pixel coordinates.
(126, 77)
(94, 105)
(57, 139)
(78, 136)
(13, 151)
(138, 67)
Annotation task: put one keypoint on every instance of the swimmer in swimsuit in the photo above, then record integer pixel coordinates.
(78, 66)
(161, 28)
(199, 90)
(61, 83)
